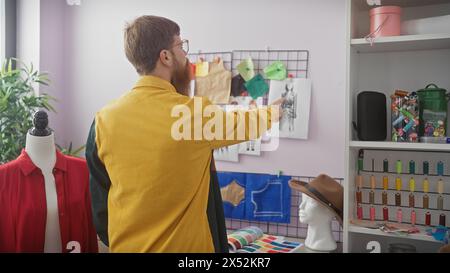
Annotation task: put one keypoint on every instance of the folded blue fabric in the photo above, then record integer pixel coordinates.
(268, 198)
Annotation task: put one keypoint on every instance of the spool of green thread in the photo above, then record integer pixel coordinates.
(398, 166)
(440, 168)
(385, 166)
(360, 164)
(412, 167)
(426, 167)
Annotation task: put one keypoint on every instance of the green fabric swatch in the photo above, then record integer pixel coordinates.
(275, 71)
(257, 86)
(246, 69)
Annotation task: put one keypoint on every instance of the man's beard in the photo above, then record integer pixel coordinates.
(181, 78)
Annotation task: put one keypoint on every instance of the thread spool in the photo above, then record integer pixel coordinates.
(385, 183)
(372, 214)
(398, 199)
(426, 200)
(358, 197)
(359, 181)
(412, 185)
(426, 168)
(440, 168)
(399, 216)
(398, 166)
(385, 166)
(359, 212)
(428, 218)
(385, 214)
(426, 185)
(398, 184)
(440, 186)
(373, 182)
(360, 161)
(442, 220)
(384, 198)
(413, 217)
(372, 197)
(440, 202)
(412, 167)
(411, 200)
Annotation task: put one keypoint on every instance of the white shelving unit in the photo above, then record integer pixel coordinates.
(407, 62)
(377, 232)
(399, 146)
(403, 43)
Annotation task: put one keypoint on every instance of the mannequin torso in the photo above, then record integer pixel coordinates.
(42, 152)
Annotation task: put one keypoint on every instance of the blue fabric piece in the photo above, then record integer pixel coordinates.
(230, 211)
(268, 198)
(439, 233)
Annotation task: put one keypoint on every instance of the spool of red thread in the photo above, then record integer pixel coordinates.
(399, 216)
(372, 214)
(359, 213)
(442, 220)
(428, 218)
(413, 217)
(385, 214)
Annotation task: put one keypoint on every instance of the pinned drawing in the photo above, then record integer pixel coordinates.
(295, 120)
(228, 153)
(252, 147)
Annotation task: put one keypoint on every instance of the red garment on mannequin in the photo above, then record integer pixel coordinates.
(23, 209)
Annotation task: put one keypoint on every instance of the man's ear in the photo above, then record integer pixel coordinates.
(166, 58)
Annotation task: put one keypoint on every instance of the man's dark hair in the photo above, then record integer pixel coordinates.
(145, 37)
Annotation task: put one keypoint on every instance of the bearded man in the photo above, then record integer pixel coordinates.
(150, 191)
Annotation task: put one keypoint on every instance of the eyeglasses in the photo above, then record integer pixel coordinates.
(184, 45)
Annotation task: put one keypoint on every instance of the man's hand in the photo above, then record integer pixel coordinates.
(276, 109)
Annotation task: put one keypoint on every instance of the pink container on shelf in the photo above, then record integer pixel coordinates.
(385, 21)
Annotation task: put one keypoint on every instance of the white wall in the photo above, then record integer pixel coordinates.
(40, 41)
(2, 30)
(95, 70)
(52, 60)
(28, 31)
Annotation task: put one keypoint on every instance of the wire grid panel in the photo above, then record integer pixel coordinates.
(294, 229)
(210, 56)
(295, 61)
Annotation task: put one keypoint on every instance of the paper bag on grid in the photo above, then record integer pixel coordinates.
(216, 86)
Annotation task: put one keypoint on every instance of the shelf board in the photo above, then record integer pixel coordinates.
(403, 43)
(418, 236)
(362, 5)
(381, 145)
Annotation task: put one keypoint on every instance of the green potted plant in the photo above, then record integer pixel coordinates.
(70, 151)
(18, 102)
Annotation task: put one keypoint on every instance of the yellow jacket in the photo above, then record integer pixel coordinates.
(159, 185)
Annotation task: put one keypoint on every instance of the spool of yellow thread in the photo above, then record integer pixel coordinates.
(426, 185)
(412, 185)
(440, 186)
(385, 182)
(398, 183)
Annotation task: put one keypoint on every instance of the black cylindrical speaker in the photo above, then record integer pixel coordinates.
(371, 116)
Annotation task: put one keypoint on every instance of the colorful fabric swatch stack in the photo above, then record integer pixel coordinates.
(253, 240)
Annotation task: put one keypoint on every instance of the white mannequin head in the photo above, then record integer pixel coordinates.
(318, 218)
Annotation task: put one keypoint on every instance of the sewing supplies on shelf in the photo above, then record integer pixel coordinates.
(433, 112)
(404, 116)
(413, 213)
